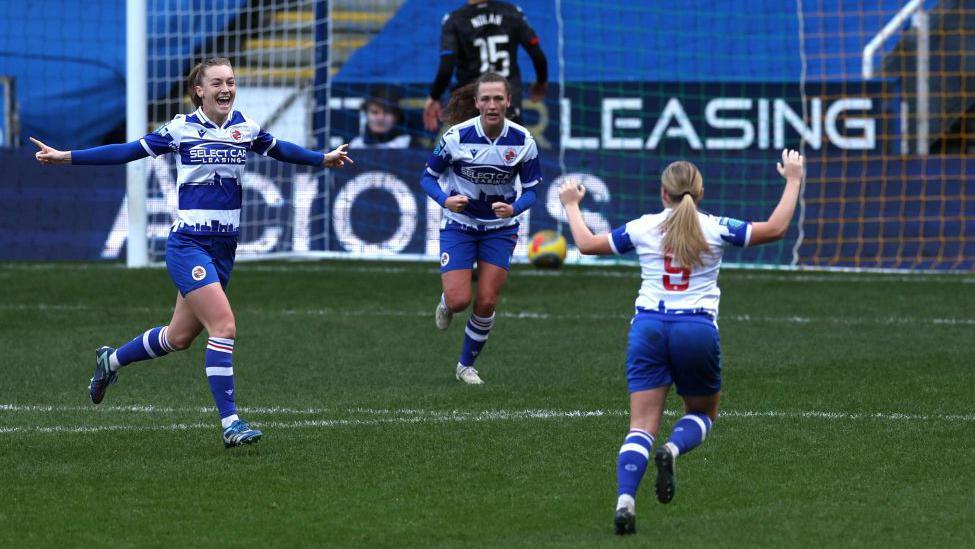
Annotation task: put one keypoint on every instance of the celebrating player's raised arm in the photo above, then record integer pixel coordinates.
(571, 193)
(106, 154)
(50, 155)
(791, 168)
(159, 142)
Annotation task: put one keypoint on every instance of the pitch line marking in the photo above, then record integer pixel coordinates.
(380, 416)
(729, 272)
(527, 315)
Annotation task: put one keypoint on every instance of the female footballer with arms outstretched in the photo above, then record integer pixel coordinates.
(212, 145)
(673, 337)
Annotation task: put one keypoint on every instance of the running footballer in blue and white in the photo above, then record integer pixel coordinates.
(472, 174)
(673, 339)
(211, 147)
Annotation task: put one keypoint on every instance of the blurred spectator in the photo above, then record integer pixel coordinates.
(383, 118)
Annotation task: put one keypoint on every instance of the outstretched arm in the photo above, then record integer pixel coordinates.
(107, 154)
(286, 151)
(791, 168)
(571, 194)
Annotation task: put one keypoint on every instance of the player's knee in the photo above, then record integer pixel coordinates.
(179, 340)
(486, 304)
(224, 328)
(457, 301)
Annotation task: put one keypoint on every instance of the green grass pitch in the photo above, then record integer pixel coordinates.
(848, 398)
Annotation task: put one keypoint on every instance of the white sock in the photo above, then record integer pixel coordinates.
(227, 421)
(673, 449)
(113, 364)
(626, 500)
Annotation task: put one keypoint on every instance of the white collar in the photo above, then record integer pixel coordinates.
(203, 117)
(480, 130)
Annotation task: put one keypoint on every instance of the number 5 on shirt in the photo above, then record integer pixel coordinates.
(684, 280)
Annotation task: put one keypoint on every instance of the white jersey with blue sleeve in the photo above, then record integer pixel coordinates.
(210, 162)
(467, 162)
(668, 287)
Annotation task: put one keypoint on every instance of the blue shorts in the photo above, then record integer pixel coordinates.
(195, 261)
(665, 349)
(461, 246)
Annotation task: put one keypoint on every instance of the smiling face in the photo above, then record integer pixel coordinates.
(217, 90)
(492, 101)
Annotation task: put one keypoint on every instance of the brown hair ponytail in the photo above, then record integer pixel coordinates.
(683, 237)
(462, 104)
(196, 77)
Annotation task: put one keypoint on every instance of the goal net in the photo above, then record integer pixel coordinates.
(874, 96)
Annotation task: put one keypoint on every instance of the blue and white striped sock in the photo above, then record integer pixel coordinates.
(220, 374)
(633, 459)
(689, 432)
(150, 344)
(475, 336)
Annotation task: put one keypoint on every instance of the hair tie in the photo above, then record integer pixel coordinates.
(685, 193)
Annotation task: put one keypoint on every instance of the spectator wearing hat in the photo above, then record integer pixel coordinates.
(382, 129)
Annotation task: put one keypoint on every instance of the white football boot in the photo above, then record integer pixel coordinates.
(443, 315)
(468, 375)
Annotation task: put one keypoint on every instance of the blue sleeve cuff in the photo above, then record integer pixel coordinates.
(620, 241)
(525, 201)
(287, 151)
(736, 232)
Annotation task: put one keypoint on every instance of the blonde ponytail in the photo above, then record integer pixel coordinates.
(683, 236)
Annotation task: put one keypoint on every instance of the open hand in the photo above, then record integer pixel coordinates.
(338, 157)
(792, 165)
(48, 155)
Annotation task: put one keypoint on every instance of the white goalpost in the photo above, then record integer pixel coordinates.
(136, 109)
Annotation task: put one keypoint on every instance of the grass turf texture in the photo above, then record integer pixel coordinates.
(849, 418)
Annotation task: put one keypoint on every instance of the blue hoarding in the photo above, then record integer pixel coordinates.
(913, 213)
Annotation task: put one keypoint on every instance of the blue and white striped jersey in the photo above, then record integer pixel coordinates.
(668, 287)
(471, 164)
(210, 165)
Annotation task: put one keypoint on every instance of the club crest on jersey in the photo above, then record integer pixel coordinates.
(444, 259)
(198, 273)
(236, 135)
(509, 155)
(201, 132)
